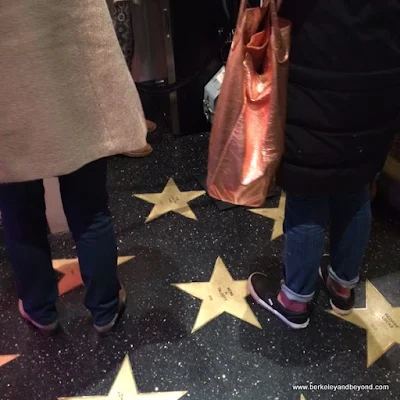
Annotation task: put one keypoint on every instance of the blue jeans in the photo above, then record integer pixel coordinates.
(85, 201)
(306, 218)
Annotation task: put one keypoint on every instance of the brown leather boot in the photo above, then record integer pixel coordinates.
(147, 150)
(140, 153)
(151, 126)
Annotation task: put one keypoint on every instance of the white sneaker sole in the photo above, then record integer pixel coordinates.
(339, 310)
(265, 305)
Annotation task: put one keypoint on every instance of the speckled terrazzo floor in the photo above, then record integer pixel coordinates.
(227, 358)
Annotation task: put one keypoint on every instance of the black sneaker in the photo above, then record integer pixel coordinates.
(339, 304)
(258, 284)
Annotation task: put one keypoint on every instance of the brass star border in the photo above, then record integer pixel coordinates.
(5, 359)
(125, 388)
(72, 278)
(220, 295)
(276, 214)
(381, 321)
(171, 199)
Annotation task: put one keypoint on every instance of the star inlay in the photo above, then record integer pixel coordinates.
(381, 321)
(125, 388)
(276, 214)
(7, 358)
(220, 295)
(72, 278)
(170, 199)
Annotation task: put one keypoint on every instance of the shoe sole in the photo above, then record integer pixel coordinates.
(334, 308)
(263, 304)
(105, 330)
(138, 155)
(339, 310)
(47, 331)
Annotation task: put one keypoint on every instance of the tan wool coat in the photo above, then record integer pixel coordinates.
(66, 94)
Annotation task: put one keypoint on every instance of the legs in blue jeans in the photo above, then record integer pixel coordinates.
(306, 219)
(85, 201)
(25, 227)
(350, 231)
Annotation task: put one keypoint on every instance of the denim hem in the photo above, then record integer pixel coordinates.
(45, 316)
(301, 298)
(346, 284)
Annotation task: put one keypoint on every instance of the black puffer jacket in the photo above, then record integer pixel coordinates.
(344, 93)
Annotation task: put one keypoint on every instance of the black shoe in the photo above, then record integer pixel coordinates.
(106, 329)
(339, 304)
(258, 284)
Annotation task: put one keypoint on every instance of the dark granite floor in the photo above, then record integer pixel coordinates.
(227, 358)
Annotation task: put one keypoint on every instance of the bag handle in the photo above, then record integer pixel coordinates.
(243, 6)
(281, 52)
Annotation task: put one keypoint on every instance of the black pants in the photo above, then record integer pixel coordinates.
(85, 202)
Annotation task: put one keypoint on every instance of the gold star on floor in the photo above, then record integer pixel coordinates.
(221, 294)
(125, 388)
(72, 278)
(170, 199)
(7, 358)
(380, 319)
(277, 214)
